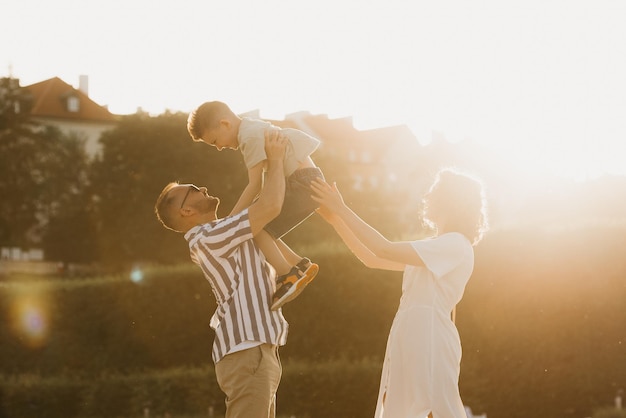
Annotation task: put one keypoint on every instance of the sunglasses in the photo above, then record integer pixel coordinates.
(191, 187)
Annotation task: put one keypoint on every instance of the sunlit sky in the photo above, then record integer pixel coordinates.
(543, 79)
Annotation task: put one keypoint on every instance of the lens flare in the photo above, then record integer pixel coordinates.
(136, 275)
(30, 321)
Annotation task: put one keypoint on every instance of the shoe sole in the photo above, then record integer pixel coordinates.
(297, 287)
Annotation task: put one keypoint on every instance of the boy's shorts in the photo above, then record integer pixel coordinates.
(298, 204)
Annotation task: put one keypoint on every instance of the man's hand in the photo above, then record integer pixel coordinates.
(275, 144)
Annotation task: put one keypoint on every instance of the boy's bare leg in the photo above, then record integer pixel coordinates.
(291, 257)
(273, 253)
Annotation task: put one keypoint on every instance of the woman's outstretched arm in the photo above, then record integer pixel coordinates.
(361, 252)
(352, 228)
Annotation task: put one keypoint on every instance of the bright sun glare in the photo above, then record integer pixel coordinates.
(541, 82)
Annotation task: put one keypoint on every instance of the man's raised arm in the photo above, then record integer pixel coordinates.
(270, 201)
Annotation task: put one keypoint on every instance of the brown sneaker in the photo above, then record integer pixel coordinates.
(290, 285)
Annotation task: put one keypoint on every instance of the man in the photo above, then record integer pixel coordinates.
(247, 332)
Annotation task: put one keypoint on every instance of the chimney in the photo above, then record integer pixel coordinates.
(83, 84)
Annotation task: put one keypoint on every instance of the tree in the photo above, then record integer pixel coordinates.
(42, 174)
(15, 104)
(69, 234)
(16, 212)
(139, 158)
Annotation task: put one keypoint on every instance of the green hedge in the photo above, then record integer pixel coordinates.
(541, 325)
(113, 323)
(337, 388)
(610, 412)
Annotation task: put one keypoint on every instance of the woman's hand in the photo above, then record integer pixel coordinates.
(330, 199)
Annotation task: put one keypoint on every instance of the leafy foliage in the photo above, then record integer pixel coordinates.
(331, 388)
(15, 105)
(139, 158)
(610, 413)
(43, 175)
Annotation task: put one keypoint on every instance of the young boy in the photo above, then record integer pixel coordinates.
(215, 124)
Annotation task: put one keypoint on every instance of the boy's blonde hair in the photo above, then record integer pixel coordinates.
(206, 116)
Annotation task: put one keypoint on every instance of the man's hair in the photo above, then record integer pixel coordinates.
(463, 198)
(165, 211)
(206, 116)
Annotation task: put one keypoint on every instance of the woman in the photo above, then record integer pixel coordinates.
(422, 361)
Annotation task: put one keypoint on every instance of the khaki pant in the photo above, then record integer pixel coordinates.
(250, 379)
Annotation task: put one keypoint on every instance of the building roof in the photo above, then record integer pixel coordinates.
(51, 100)
(365, 150)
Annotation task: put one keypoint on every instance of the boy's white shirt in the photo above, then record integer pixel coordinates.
(251, 140)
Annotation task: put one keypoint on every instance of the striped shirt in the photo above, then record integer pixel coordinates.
(242, 282)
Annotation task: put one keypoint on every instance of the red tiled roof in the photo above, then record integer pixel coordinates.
(50, 101)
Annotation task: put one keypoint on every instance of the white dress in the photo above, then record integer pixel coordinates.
(422, 361)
